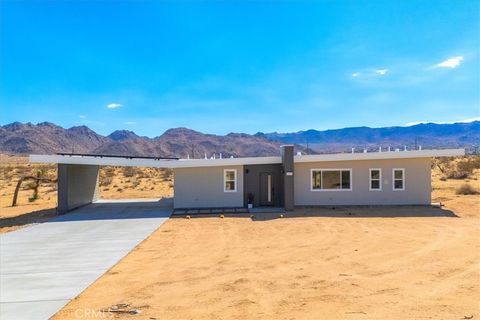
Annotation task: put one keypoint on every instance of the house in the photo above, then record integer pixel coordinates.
(368, 178)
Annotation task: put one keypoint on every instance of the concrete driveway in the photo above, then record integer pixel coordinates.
(44, 266)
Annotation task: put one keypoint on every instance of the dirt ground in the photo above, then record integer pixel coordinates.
(351, 263)
(411, 263)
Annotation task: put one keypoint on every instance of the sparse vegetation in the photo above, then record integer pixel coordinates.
(129, 172)
(457, 168)
(466, 189)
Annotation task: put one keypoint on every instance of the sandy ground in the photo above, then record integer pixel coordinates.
(115, 183)
(403, 263)
(410, 263)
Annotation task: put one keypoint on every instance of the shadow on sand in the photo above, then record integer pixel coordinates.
(101, 210)
(38, 216)
(341, 212)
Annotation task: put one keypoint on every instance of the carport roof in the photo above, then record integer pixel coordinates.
(192, 163)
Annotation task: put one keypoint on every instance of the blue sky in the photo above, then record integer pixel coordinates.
(222, 67)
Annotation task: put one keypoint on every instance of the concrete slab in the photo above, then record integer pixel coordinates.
(45, 266)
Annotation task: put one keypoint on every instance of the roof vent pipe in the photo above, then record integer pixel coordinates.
(353, 150)
(364, 150)
(206, 156)
(405, 148)
(379, 149)
(220, 155)
(420, 148)
(388, 148)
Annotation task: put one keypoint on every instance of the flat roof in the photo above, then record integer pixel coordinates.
(192, 163)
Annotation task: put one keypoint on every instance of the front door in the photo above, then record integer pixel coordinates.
(266, 189)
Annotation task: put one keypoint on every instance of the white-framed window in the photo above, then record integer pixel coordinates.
(230, 180)
(330, 179)
(398, 179)
(375, 179)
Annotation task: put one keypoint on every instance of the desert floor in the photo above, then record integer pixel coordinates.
(330, 265)
(353, 263)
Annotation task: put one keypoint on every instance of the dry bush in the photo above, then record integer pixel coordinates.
(129, 172)
(106, 181)
(466, 189)
(119, 189)
(457, 168)
(166, 174)
(135, 183)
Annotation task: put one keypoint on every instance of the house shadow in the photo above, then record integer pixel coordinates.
(397, 211)
(100, 210)
(119, 209)
(33, 217)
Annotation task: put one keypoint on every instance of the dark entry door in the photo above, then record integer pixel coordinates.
(266, 189)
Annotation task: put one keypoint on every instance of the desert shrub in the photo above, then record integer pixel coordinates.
(166, 174)
(466, 189)
(129, 172)
(443, 179)
(119, 189)
(135, 183)
(106, 181)
(461, 169)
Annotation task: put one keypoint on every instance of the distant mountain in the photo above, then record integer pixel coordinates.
(429, 135)
(48, 138)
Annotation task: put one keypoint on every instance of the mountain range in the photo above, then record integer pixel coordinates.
(428, 135)
(48, 138)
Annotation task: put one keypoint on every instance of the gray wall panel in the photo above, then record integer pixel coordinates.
(417, 183)
(203, 188)
(77, 186)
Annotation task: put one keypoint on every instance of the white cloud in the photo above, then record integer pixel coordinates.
(355, 74)
(450, 63)
(113, 105)
(130, 122)
(381, 72)
(442, 122)
(82, 116)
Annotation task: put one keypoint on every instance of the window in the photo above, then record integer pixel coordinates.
(375, 179)
(230, 180)
(398, 179)
(331, 180)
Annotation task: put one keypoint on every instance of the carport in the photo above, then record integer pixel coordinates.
(78, 174)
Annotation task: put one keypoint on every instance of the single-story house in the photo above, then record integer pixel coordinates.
(367, 178)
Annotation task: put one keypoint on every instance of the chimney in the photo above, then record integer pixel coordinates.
(287, 166)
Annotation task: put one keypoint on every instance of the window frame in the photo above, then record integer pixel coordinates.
(321, 183)
(225, 180)
(379, 179)
(403, 179)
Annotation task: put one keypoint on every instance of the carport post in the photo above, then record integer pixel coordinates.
(77, 186)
